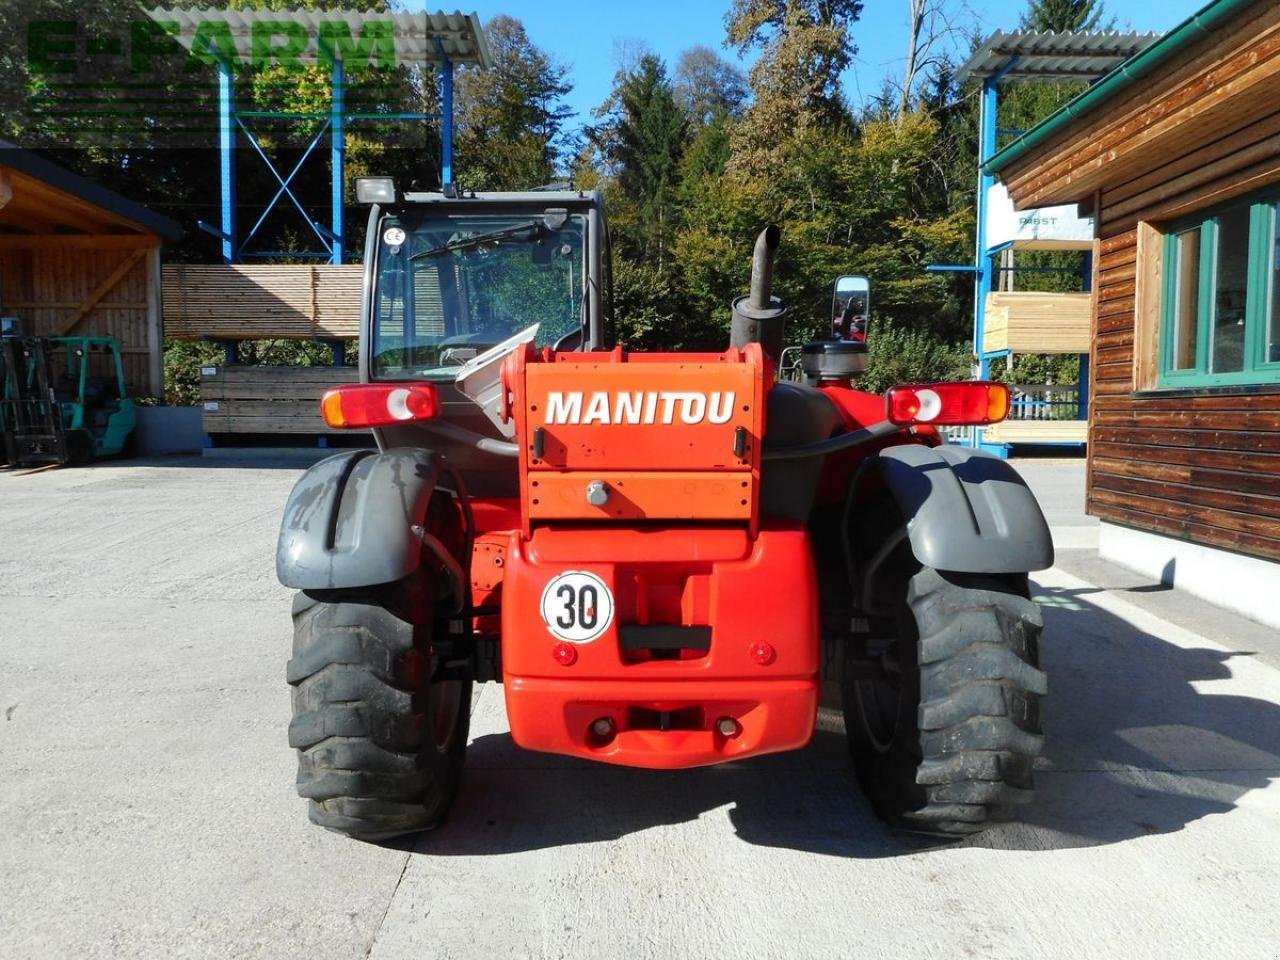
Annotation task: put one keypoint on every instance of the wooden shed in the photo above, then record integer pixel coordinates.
(78, 258)
(1176, 154)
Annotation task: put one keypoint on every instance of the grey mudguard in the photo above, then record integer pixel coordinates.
(356, 520)
(967, 510)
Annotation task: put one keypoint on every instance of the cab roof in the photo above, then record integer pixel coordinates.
(542, 198)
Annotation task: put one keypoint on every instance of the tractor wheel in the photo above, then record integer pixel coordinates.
(944, 728)
(380, 742)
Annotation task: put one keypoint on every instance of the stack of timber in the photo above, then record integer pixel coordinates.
(1037, 431)
(250, 301)
(268, 400)
(1025, 322)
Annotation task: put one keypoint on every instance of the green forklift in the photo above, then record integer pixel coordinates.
(63, 399)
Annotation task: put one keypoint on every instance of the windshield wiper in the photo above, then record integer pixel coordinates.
(538, 226)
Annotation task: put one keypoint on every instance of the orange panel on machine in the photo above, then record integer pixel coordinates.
(606, 413)
(626, 420)
(636, 495)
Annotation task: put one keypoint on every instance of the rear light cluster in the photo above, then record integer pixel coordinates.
(379, 404)
(975, 402)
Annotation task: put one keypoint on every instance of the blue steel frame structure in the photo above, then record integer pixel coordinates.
(232, 124)
(331, 238)
(982, 269)
(1026, 56)
(468, 47)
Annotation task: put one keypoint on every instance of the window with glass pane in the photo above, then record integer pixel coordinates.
(1230, 291)
(1220, 315)
(1186, 299)
(456, 285)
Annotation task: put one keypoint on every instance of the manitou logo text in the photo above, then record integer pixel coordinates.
(639, 407)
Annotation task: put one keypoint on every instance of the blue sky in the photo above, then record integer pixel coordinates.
(584, 34)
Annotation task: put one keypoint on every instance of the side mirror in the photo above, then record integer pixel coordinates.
(851, 308)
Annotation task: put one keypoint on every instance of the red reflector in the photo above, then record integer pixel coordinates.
(974, 402)
(565, 654)
(379, 404)
(762, 653)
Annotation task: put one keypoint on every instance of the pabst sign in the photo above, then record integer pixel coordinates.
(638, 407)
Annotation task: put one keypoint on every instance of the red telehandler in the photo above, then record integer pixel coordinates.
(661, 556)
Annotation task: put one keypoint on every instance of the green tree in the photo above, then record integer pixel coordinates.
(511, 119)
(804, 46)
(706, 156)
(863, 201)
(901, 355)
(643, 141)
(1064, 16)
(653, 312)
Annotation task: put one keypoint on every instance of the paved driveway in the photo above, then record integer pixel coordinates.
(149, 810)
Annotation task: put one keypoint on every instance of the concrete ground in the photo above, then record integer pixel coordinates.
(149, 809)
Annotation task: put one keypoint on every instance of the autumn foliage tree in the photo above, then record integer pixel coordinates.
(511, 119)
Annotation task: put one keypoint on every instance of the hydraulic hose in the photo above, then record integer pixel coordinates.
(842, 441)
(501, 448)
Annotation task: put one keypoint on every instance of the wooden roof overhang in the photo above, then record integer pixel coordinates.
(1177, 102)
(43, 204)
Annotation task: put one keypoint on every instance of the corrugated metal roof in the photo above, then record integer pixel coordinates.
(1054, 56)
(419, 37)
(1126, 74)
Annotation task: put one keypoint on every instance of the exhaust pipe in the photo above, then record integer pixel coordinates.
(762, 258)
(759, 317)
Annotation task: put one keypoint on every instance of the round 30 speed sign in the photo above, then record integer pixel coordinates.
(577, 606)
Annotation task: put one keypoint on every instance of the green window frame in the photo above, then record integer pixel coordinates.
(1187, 355)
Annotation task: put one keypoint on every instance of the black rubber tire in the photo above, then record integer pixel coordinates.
(380, 748)
(966, 706)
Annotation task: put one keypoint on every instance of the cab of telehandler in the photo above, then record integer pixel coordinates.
(451, 275)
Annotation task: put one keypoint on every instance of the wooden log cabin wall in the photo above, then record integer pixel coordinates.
(1178, 158)
(76, 258)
